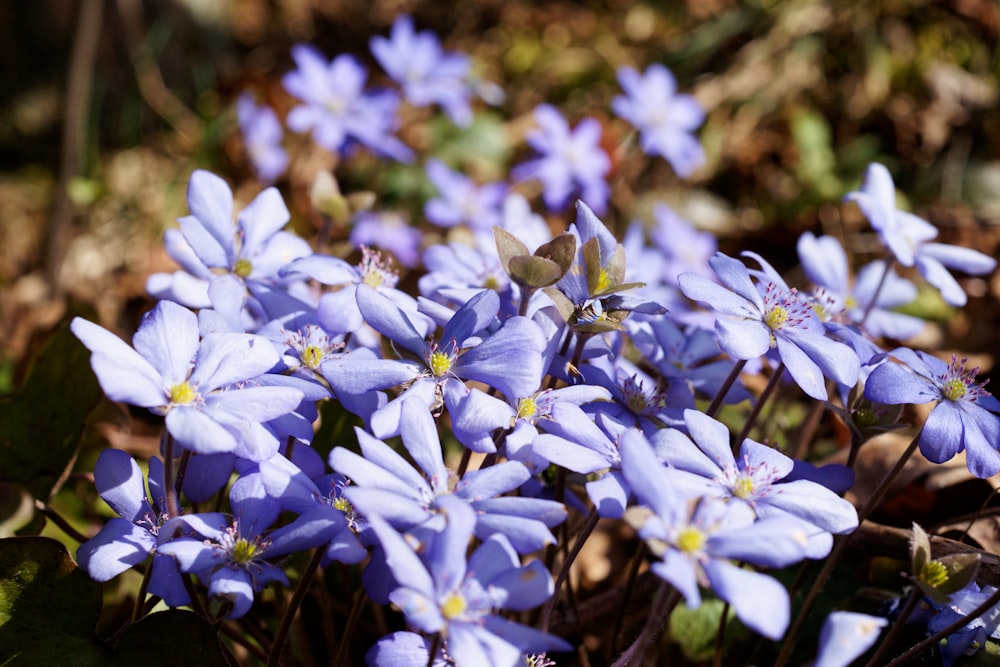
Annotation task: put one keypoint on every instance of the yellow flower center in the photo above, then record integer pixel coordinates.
(954, 389)
(343, 504)
(744, 487)
(526, 408)
(690, 540)
(244, 550)
(453, 607)
(312, 356)
(440, 363)
(776, 317)
(373, 279)
(933, 573)
(243, 268)
(182, 393)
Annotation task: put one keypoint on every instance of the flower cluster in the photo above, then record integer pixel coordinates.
(537, 382)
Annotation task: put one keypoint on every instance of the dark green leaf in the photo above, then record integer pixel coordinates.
(48, 606)
(41, 426)
(170, 638)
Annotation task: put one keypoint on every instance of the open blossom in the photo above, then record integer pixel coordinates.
(337, 109)
(699, 540)
(461, 201)
(386, 485)
(665, 118)
(427, 73)
(569, 161)
(757, 477)
(262, 134)
(756, 318)
(441, 590)
(966, 417)
(234, 556)
(206, 388)
(213, 249)
(825, 264)
(131, 537)
(909, 237)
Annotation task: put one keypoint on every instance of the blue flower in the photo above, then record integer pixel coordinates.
(507, 358)
(386, 485)
(234, 556)
(757, 477)
(428, 74)
(771, 316)
(261, 138)
(845, 636)
(569, 162)
(825, 264)
(337, 109)
(966, 417)
(696, 540)
(441, 590)
(212, 249)
(461, 201)
(128, 540)
(206, 388)
(665, 119)
(390, 232)
(909, 237)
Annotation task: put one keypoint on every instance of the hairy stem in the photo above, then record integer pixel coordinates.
(838, 549)
(293, 606)
(730, 380)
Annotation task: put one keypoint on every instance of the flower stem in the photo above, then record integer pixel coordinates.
(911, 603)
(352, 621)
(878, 289)
(838, 549)
(581, 536)
(919, 648)
(730, 380)
(59, 521)
(293, 606)
(769, 388)
(662, 605)
(168, 475)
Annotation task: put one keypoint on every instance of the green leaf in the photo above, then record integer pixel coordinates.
(48, 606)
(695, 629)
(508, 247)
(41, 426)
(534, 272)
(920, 549)
(561, 250)
(170, 638)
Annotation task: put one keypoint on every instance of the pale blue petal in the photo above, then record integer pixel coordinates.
(758, 600)
(124, 375)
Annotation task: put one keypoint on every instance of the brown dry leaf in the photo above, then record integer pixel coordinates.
(984, 530)
(879, 455)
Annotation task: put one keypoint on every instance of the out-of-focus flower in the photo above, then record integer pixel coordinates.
(262, 135)
(909, 237)
(569, 161)
(337, 109)
(390, 232)
(825, 264)
(665, 118)
(845, 636)
(427, 73)
(460, 201)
